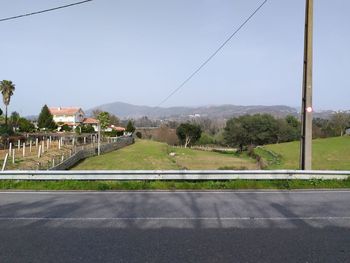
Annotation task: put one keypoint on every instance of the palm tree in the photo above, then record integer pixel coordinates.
(7, 88)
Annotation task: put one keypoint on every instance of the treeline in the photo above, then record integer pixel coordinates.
(260, 129)
(242, 131)
(335, 126)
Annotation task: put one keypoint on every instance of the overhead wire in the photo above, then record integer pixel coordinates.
(43, 11)
(213, 54)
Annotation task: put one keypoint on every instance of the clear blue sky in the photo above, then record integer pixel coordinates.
(138, 51)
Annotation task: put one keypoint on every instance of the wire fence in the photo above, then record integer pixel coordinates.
(42, 152)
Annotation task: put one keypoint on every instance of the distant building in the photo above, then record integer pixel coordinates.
(194, 115)
(115, 128)
(91, 121)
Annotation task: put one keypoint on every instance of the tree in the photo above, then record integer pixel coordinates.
(96, 112)
(164, 134)
(114, 120)
(14, 119)
(130, 127)
(25, 125)
(104, 119)
(45, 120)
(322, 128)
(288, 129)
(258, 129)
(87, 128)
(340, 121)
(188, 133)
(7, 88)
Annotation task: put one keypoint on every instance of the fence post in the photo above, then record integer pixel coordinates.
(24, 149)
(30, 146)
(42, 147)
(5, 161)
(19, 145)
(10, 149)
(39, 151)
(13, 156)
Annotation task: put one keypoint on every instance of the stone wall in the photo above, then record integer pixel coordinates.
(86, 153)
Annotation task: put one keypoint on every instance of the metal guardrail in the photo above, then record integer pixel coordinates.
(174, 175)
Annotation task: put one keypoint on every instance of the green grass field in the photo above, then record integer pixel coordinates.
(150, 155)
(328, 154)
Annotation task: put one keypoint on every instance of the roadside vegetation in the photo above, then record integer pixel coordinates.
(175, 185)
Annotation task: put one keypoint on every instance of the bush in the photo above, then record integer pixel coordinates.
(66, 128)
(6, 130)
(114, 133)
(139, 135)
(205, 139)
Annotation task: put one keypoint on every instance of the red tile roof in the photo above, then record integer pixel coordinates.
(69, 124)
(90, 121)
(64, 110)
(117, 128)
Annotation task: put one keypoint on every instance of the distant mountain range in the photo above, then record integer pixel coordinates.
(125, 110)
(130, 111)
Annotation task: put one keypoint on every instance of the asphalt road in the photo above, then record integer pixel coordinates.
(253, 226)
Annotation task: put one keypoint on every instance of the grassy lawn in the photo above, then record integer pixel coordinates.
(150, 155)
(328, 154)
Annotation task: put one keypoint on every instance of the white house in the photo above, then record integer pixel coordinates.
(72, 116)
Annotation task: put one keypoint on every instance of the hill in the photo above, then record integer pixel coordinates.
(125, 110)
(328, 154)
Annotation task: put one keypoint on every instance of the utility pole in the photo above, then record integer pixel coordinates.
(306, 110)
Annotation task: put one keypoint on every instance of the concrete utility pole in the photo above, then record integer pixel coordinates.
(306, 110)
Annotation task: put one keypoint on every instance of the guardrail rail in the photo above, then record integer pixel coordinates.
(130, 175)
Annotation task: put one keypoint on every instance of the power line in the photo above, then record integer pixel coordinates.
(214, 54)
(44, 11)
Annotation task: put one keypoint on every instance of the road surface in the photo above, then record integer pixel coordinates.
(246, 226)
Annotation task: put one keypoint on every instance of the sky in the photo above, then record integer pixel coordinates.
(138, 52)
